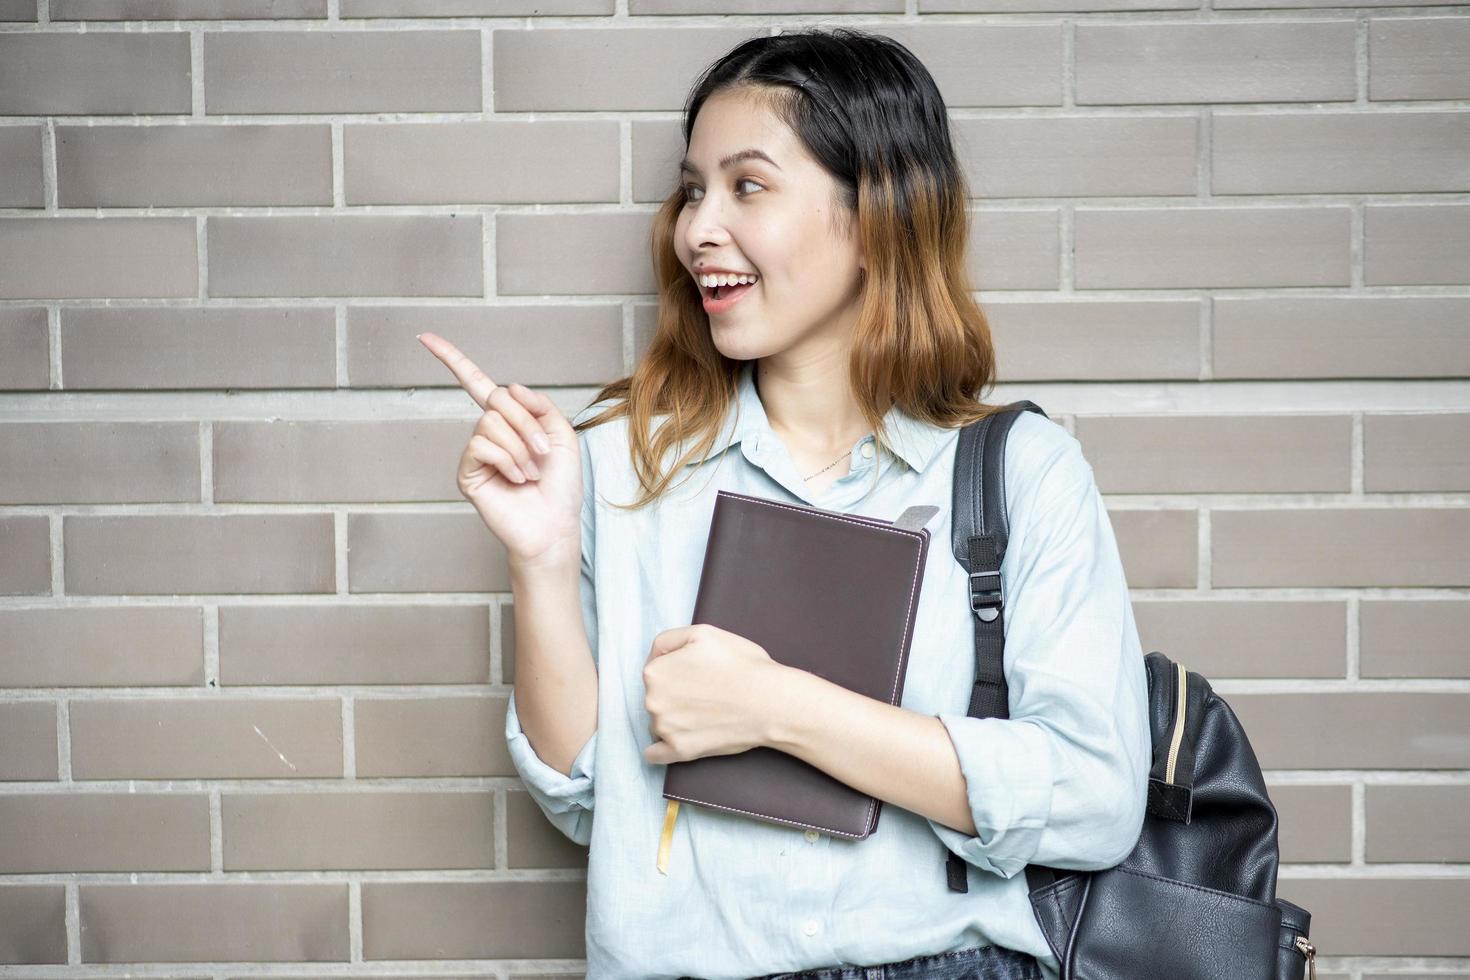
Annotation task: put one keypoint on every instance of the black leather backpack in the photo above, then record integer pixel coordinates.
(1196, 898)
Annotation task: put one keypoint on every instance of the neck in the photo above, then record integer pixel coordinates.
(811, 405)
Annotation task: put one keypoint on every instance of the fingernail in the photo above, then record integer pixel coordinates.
(539, 441)
(531, 469)
(519, 476)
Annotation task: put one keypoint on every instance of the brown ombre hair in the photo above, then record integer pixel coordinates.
(869, 112)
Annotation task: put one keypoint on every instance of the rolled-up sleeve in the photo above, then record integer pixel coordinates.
(566, 799)
(1063, 781)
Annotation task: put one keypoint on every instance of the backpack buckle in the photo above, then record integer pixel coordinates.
(985, 595)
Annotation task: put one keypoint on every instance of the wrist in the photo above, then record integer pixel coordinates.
(789, 691)
(556, 565)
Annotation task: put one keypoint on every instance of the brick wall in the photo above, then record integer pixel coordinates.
(255, 648)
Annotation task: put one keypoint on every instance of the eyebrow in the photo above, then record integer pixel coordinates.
(685, 166)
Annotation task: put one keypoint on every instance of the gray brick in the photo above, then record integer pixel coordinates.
(354, 644)
(1035, 6)
(206, 738)
(439, 552)
(1205, 246)
(767, 6)
(18, 10)
(1368, 730)
(347, 255)
(1384, 916)
(473, 919)
(1277, 61)
(1413, 451)
(20, 167)
(1341, 337)
(69, 258)
(244, 921)
(1011, 64)
(431, 736)
(532, 841)
(546, 162)
(121, 462)
(1096, 340)
(532, 252)
(1416, 244)
(1340, 546)
(1314, 823)
(157, 348)
(475, 8)
(1015, 249)
(1247, 637)
(1322, 153)
(342, 71)
(1079, 156)
(1414, 637)
(185, 9)
(54, 832)
(554, 69)
(102, 646)
(28, 732)
(534, 345)
(359, 830)
(33, 923)
(1429, 824)
(658, 144)
(143, 554)
(1160, 548)
(168, 166)
(1276, 453)
(1418, 58)
(318, 462)
(25, 541)
(25, 339)
(44, 74)
(1277, 4)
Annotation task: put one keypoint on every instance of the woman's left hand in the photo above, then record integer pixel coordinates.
(707, 691)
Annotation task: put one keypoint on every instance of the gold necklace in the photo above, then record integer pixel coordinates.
(830, 465)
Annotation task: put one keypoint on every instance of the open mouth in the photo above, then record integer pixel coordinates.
(726, 292)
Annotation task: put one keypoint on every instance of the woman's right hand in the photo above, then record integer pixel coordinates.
(537, 518)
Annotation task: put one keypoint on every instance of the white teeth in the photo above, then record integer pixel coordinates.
(725, 280)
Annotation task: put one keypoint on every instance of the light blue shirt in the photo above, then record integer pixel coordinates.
(1062, 782)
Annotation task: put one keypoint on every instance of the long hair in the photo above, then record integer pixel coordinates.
(869, 112)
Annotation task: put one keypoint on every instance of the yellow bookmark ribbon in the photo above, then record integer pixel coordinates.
(671, 813)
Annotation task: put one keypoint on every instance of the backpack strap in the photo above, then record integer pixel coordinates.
(979, 533)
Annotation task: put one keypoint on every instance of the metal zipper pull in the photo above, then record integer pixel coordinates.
(1305, 947)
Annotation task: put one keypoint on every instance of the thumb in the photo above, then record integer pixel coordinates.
(669, 640)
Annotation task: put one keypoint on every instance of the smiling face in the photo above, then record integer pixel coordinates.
(780, 220)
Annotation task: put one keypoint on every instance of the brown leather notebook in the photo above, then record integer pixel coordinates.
(831, 593)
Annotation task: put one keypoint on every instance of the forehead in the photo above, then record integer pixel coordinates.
(730, 122)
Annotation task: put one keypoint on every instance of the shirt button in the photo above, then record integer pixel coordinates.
(867, 450)
(811, 927)
(812, 835)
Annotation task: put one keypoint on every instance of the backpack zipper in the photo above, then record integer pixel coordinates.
(1181, 686)
(1305, 947)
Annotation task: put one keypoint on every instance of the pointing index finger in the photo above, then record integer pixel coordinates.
(469, 375)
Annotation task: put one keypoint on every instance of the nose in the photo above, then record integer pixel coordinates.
(706, 227)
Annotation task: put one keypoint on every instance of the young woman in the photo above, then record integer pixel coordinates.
(819, 172)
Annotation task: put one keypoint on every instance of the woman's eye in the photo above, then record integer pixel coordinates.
(689, 189)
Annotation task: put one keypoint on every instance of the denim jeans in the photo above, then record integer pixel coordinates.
(974, 963)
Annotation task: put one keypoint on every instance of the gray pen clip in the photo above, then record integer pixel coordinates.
(914, 518)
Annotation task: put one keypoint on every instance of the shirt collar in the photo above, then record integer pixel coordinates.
(913, 440)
